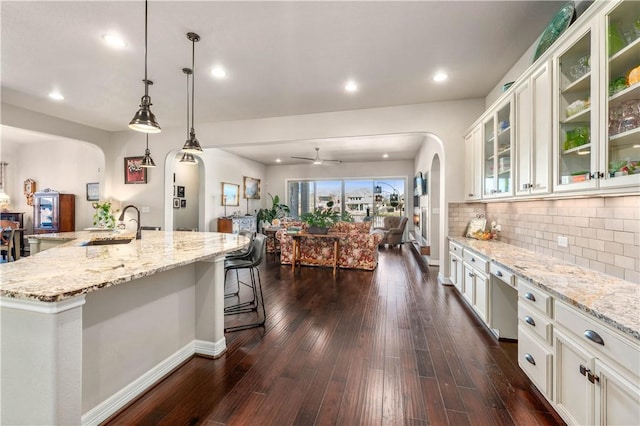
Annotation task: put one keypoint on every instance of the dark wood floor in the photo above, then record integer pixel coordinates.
(390, 346)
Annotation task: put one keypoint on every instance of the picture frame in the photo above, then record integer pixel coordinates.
(176, 203)
(183, 203)
(93, 191)
(230, 194)
(180, 192)
(251, 188)
(134, 173)
(475, 225)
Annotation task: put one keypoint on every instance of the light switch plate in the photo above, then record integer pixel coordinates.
(563, 241)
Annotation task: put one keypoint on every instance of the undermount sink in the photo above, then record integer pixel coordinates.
(107, 242)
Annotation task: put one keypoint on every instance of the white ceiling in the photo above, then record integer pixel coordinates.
(283, 58)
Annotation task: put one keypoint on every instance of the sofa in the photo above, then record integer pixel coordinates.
(358, 248)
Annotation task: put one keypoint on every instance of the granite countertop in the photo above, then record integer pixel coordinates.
(609, 299)
(73, 268)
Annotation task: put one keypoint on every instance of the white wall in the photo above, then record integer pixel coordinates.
(63, 165)
(187, 175)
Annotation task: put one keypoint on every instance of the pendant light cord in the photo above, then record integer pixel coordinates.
(193, 79)
(187, 105)
(146, 82)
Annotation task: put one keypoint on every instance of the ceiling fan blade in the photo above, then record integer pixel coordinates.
(304, 158)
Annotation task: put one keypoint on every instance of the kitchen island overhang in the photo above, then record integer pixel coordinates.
(86, 329)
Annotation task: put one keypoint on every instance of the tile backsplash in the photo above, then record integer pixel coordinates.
(603, 233)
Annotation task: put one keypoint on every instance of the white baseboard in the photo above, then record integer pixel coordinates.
(444, 280)
(111, 405)
(213, 349)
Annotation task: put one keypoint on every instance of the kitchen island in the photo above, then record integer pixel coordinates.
(87, 328)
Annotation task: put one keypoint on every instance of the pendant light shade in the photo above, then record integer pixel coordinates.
(188, 158)
(191, 145)
(144, 120)
(147, 161)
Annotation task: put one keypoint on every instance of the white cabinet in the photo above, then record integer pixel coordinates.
(455, 265)
(616, 398)
(473, 164)
(497, 152)
(532, 98)
(475, 289)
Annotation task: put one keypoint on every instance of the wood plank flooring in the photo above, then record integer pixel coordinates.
(391, 346)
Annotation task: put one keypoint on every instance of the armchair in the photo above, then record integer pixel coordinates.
(393, 230)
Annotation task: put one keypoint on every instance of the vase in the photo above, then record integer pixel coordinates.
(318, 230)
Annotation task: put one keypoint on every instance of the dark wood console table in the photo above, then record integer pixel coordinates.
(297, 255)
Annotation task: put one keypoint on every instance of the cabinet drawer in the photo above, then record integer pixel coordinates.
(533, 296)
(535, 360)
(503, 274)
(476, 261)
(536, 322)
(455, 248)
(590, 332)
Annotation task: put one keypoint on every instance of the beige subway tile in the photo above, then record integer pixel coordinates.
(606, 212)
(625, 262)
(596, 223)
(612, 247)
(625, 213)
(614, 224)
(582, 242)
(590, 254)
(605, 257)
(631, 250)
(632, 276)
(624, 237)
(575, 250)
(629, 201)
(631, 225)
(582, 221)
(597, 266)
(582, 261)
(614, 271)
(605, 235)
(596, 245)
(569, 258)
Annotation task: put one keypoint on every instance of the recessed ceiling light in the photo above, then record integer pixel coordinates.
(218, 72)
(278, 160)
(351, 86)
(114, 41)
(440, 76)
(56, 96)
(385, 155)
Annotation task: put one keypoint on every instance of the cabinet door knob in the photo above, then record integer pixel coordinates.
(530, 359)
(473, 259)
(583, 370)
(530, 296)
(470, 195)
(594, 337)
(592, 377)
(453, 260)
(471, 274)
(529, 321)
(499, 273)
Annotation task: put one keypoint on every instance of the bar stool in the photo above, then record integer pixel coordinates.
(251, 263)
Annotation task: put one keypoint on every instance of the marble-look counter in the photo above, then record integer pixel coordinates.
(609, 299)
(73, 268)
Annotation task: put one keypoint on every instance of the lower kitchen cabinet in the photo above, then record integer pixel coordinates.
(617, 400)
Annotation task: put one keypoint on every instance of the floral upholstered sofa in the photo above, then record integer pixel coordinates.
(358, 249)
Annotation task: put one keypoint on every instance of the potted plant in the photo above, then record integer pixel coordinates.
(278, 210)
(321, 219)
(103, 217)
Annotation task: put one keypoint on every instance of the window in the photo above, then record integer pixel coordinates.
(360, 199)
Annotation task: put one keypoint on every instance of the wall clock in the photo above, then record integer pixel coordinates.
(29, 189)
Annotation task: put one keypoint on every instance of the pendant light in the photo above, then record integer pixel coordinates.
(147, 161)
(144, 120)
(187, 157)
(192, 145)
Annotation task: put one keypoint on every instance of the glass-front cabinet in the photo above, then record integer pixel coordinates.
(576, 67)
(497, 152)
(621, 153)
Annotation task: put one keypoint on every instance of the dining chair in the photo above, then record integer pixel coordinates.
(7, 235)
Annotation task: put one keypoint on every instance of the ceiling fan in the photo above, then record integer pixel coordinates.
(318, 160)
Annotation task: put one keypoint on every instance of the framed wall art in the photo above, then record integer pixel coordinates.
(183, 203)
(93, 191)
(176, 203)
(133, 171)
(180, 193)
(230, 194)
(251, 188)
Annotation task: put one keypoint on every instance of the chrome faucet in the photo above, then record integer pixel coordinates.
(139, 231)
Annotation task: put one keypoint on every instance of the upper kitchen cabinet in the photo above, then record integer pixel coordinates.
(576, 137)
(497, 151)
(473, 164)
(533, 133)
(620, 152)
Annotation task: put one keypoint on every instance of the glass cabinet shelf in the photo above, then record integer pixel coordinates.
(579, 150)
(628, 138)
(632, 92)
(580, 117)
(580, 85)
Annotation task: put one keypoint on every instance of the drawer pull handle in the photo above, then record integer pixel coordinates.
(453, 260)
(594, 337)
(471, 274)
(529, 321)
(592, 377)
(584, 370)
(530, 296)
(530, 359)
(498, 273)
